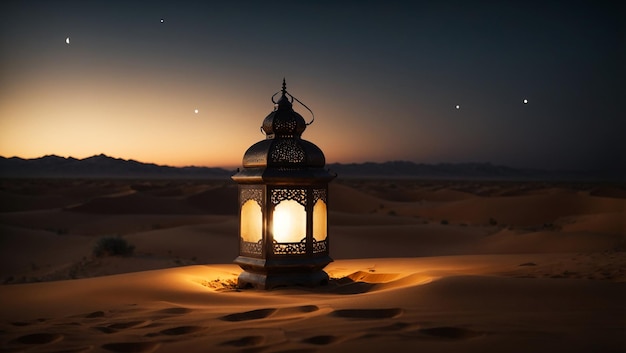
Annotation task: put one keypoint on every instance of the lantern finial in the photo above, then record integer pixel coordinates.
(284, 87)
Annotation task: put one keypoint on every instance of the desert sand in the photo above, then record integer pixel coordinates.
(430, 266)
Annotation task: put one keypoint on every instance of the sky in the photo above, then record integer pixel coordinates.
(383, 78)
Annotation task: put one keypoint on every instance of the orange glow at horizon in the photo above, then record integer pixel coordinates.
(81, 117)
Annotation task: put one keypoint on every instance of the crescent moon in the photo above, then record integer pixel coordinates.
(67, 40)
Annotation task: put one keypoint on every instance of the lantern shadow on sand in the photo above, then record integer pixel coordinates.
(283, 198)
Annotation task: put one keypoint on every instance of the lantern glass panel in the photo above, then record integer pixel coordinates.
(289, 222)
(320, 228)
(251, 222)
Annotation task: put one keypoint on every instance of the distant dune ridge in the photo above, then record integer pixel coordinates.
(52, 166)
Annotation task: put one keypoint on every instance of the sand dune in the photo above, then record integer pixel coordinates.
(527, 210)
(173, 223)
(420, 265)
(27, 194)
(170, 200)
(445, 304)
(346, 199)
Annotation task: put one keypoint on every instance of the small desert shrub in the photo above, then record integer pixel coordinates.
(445, 222)
(551, 226)
(113, 246)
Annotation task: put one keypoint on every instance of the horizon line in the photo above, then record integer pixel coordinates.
(229, 167)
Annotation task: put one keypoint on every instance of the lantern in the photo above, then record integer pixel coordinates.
(283, 205)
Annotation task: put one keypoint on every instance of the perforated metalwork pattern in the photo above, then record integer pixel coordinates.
(319, 194)
(283, 126)
(252, 194)
(297, 195)
(287, 151)
(251, 248)
(290, 248)
(320, 246)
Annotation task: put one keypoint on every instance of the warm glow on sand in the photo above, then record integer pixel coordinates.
(456, 303)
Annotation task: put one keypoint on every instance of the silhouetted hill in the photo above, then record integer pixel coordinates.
(100, 166)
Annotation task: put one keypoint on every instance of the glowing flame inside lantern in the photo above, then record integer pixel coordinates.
(289, 222)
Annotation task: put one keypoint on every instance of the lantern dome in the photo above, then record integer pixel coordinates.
(283, 146)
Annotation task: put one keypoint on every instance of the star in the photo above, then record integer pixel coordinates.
(457, 106)
(525, 101)
(196, 111)
(162, 20)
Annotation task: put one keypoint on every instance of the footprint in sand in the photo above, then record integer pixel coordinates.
(27, 323)
(105, 329)
(396, 326)
(94, 315)
(20, 323)
(126, 325)
(295, 311)
(370, 314)
(131, 347)
(321, 340)
(39, 338)
(84, 349)
(177, 331)
(249, 315)
(449, 333)
(115, 327)
(247, 341)
(181, 330)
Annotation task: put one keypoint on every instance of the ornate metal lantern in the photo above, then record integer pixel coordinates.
(283, 198)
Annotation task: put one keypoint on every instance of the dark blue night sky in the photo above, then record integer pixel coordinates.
(383, 77)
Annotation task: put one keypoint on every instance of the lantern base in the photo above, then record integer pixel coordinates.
(268, 274)
(269, 281)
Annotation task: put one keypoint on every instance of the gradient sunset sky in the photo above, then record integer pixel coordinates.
(383, 78)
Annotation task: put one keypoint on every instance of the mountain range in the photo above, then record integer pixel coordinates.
(100, 166)
(103, 166)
